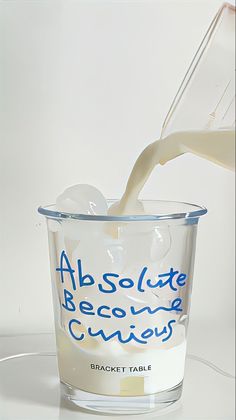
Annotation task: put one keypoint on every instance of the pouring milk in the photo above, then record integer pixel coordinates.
(216, 146)
(98, 366)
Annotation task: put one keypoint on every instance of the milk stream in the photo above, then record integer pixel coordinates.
(216, 146)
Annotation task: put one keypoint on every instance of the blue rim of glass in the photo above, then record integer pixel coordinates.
(195, 212)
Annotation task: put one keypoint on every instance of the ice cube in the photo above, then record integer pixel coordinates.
(144, 243)
(82, 199)
(115, 251)
(54, 225)
(161, 243)
(98, 251)
(74, 230)
(119, 303)
(112, 348)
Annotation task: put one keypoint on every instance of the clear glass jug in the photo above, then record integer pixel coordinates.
(201, 118)
(206, 97)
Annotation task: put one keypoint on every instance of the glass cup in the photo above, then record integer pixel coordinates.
(121, 290)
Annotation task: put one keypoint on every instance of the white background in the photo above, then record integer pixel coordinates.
(85, 85)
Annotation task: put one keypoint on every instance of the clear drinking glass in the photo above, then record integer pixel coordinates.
(122, 290)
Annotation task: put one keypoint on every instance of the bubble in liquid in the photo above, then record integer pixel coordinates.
(82, 199)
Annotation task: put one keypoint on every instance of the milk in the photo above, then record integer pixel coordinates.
(216, 146)
(107, 370)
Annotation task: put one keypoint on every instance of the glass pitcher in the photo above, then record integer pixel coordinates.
(206, 98)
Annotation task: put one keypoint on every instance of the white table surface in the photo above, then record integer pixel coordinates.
(29, 387)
